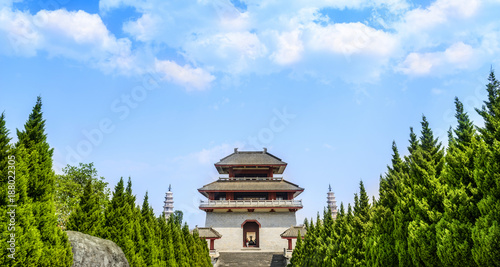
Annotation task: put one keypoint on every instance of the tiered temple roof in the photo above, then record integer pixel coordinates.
(250, 159)
(251, 185)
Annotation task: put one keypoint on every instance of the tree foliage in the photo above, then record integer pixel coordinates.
(44, 204)
(69, 188)
(434, 208)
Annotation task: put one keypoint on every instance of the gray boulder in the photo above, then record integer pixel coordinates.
(91, 251)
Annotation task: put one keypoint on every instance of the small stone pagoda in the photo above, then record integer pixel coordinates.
(250, 207)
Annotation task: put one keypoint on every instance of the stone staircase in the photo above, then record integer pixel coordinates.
(253, 259)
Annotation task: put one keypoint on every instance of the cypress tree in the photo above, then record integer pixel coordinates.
(454, 235)
(381, 243)
(167, 252)
(297, 254)
(5, 152)
(88, 216)
(360, 226)
(343, 226)
(426, 197)
(328, 235)
(181, 251)
(117, 221)
(136, 240)
(486, 231)
(190, 245)
(28, 245)
(150, 252)
(402, 216)
(203, 253)
(40, 188)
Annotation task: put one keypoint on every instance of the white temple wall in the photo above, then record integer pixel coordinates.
(232, 239)
(235, 219)
(228, 224)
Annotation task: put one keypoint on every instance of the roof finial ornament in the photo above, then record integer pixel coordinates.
(329, 188)
(169, 187)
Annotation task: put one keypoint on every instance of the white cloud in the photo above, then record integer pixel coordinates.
(18, 33)
(439, 12)
(186, 76)
(351, 38)
(144, 28)
(290, 48)
(458, 56)
(231, 52)
(76, 35)
(267, 37)
(83, 36)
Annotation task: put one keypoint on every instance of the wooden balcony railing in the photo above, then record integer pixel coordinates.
(250, 203)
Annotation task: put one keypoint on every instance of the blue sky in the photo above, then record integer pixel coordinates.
(160, 90)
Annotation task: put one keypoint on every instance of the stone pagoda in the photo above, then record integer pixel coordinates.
(249, 207)
(168, 207)
(331, 202)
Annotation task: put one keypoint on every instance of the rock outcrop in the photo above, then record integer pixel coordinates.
(91, 251)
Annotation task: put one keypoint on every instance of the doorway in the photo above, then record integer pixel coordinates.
(251, 234)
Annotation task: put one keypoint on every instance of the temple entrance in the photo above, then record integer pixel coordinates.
(251, 234)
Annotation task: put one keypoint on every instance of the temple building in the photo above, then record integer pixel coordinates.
(249, 208)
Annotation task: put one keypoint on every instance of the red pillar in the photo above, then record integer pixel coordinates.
(289, 244)
(212, 244)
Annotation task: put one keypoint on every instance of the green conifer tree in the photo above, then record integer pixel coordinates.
(5, 152)
(203, 258)
(136, 239)
(381, 243)
(190, 245)
(150, 252)
(118, 227)
(88, 217)
(402, 216)
(180, 249)
(454, 235)
(297, 254)
(486, 231)
(28, 245)
(360, 226)
(168, 253)
(40, 188)
(426, 195)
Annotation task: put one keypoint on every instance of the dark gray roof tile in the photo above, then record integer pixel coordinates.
(250, 158)
(294, 231)
(207, 232)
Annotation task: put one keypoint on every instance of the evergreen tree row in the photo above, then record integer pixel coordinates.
(27, 184)
(434, 208)
(36, 206)
(146, 240)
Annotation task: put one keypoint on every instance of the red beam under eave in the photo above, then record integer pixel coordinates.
(244, 208)
(249, 165)
(281, 191)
